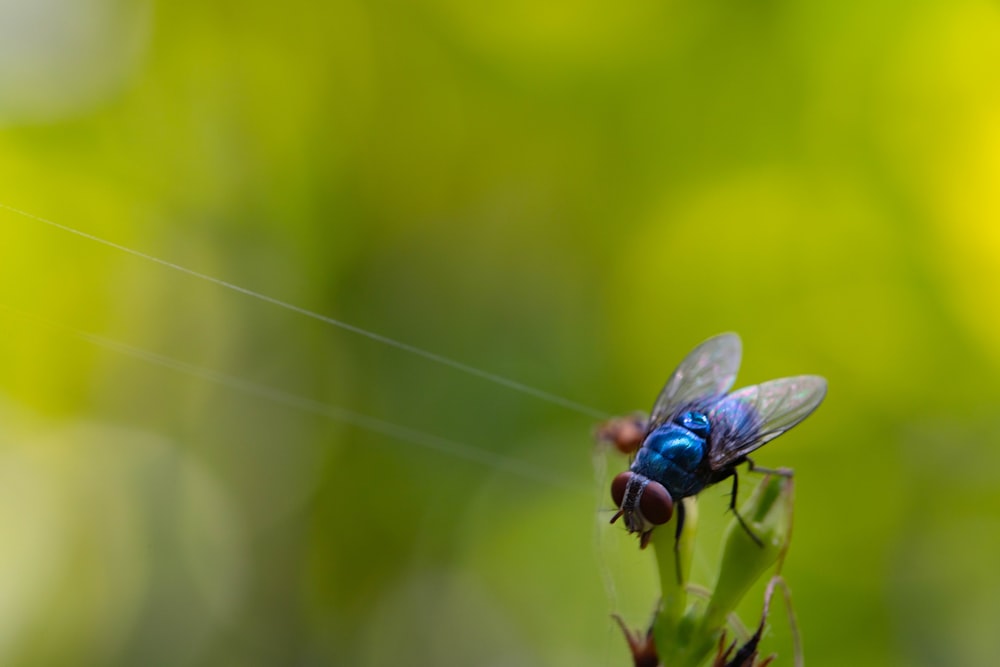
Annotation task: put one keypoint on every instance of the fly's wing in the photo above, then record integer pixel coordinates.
(752, 416)
(709, 370)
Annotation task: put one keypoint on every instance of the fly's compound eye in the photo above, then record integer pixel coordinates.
(618, 485)
(697, 423)
(656, 504)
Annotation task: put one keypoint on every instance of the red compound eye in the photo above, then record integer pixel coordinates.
(655, 503)
(618, 485)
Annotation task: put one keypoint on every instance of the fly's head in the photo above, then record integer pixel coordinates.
(642, 503)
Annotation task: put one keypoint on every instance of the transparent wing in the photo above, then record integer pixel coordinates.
(752, 416)
(708, 370)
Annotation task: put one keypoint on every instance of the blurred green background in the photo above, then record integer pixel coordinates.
(568, 194)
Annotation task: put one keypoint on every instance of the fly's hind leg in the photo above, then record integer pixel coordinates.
(732, 506)
(780, 472)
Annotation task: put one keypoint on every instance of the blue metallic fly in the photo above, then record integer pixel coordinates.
(697, 434)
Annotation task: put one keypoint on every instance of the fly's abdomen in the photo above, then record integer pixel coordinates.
(670, 455)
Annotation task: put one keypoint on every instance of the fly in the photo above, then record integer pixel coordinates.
(697, 434)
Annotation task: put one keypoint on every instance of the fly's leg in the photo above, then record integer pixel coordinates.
(644, 539)
(677, 540)
(739, 517)
(780, 472)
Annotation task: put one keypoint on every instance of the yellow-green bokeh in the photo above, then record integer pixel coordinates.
(571, 195)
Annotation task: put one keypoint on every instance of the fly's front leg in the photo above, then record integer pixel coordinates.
(677, 540)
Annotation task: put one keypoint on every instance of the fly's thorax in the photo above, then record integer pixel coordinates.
(676, 444)
(673, 455)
